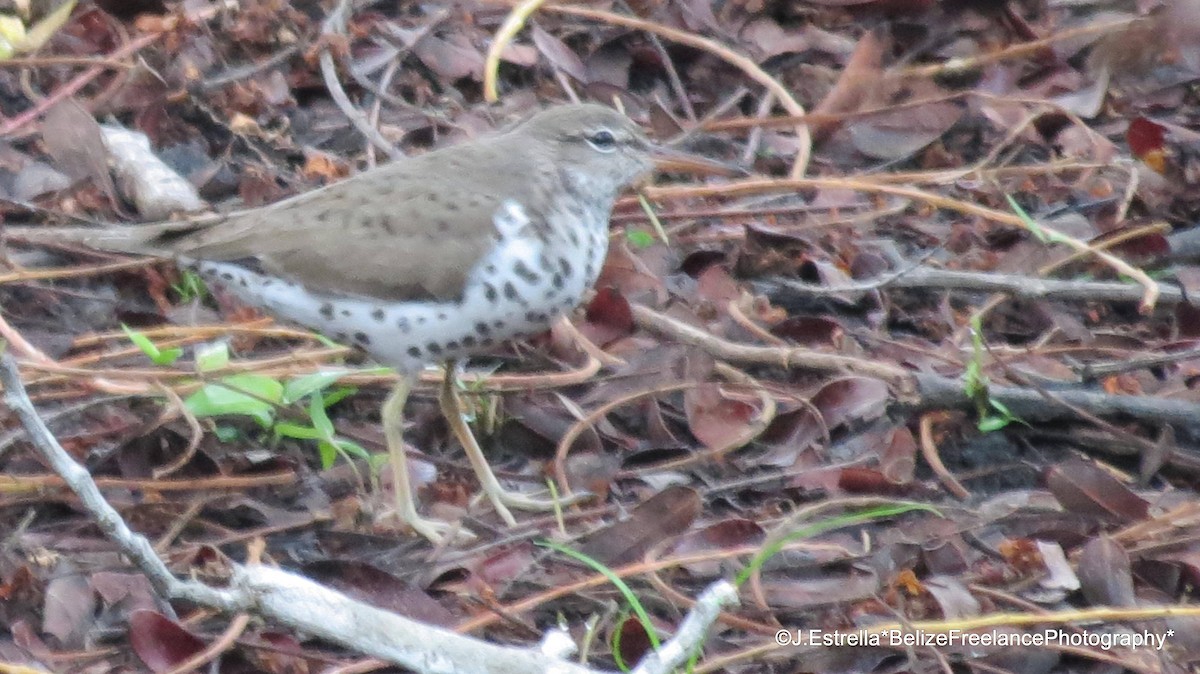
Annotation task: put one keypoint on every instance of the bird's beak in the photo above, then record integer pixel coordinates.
(670, 159)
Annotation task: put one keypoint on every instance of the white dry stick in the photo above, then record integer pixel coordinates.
(691, 631)
(308, 607)
(297, 602)
(80, 481)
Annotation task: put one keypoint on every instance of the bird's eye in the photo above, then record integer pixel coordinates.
(602, 140)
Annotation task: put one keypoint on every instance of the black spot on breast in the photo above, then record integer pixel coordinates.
(489, 291)
(378, 315)
(385, 221)
(510, 291)
(403, 324)
(346, 313)
(487, 341)
(564, 265)
(327, 310)
(434, 348)
(420, 320)
(558, 281)
(469, 342)
(573, 237)
(452, 345)
(414, 351)
(431, 197)
(267, 283)
(242, 281)
(499, 325)
(491, 269)
(525, 273)
(227, 276)
(323, 216)
(443, 225)
(441, 316)
(340, 337)
(482, 328)
(544, 263)
(362, 338)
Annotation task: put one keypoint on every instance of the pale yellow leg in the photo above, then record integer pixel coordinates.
(500, 498)
(392, 416)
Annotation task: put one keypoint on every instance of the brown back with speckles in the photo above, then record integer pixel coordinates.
(409, 230)
(416, 228)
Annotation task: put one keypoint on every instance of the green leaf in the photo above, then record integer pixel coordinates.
(286, 429)
(299, 388)
(352, 448)
(212, 356)
(226, 433)
(328, 454)
(972, 378)
(617, 581)
(992, 423)
(44, 29)
(1007, 413)
(1043, 235)
(772, 548)
(1029, 222)
(376, 461)
(639, 239)
(190, 287)
(12, 35)
(327, 342)
(338, 395)
(320, 419)
(156, 355)
(614, 642)
(251, 395)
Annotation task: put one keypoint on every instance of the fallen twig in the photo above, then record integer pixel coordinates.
(301, 604)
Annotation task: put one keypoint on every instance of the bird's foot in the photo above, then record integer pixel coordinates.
(502, 499)
(435, 531)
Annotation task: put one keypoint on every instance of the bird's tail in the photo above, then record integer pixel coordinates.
(148, 239)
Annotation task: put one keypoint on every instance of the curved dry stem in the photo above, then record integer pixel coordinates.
(513, 23)
(521, 12)
(766, 414)
(196, 433)
(997, 299)
(1150, 287)
(577, 429)
(334, 28)
(930, 453)
(1021, 50)
(786, 357)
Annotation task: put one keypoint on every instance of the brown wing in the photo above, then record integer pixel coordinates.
(412, 229)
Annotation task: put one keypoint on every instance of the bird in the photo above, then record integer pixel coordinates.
(429, 258)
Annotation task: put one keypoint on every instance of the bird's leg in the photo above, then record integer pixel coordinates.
(501, 499)
(392, 416)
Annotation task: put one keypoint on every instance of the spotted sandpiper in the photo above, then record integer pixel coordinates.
(429, 258)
